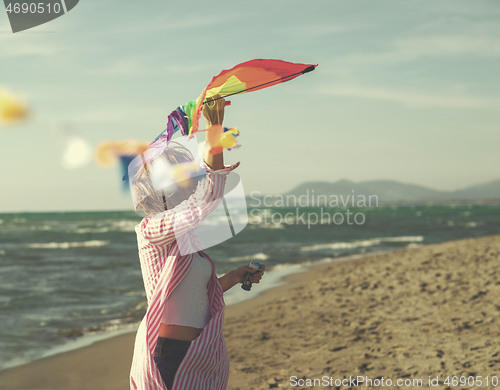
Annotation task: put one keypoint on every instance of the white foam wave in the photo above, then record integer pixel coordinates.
(41, 227)
(263, 218)
(272, 226)
(92, 230)
(108, 226)
(258, 256)
(124, 225)
(67, 245)
(361, 243)
(290, 268)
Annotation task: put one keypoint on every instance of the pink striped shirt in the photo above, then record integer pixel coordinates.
(206, 364)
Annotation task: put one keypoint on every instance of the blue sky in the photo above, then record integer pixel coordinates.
(404, 90)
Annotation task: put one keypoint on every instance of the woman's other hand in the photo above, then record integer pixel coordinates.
(238, 276)
(256, 276)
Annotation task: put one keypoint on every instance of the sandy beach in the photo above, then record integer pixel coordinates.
(422, 314)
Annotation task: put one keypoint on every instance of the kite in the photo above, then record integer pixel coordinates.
(248, 76)
(153, 170)
(11, 108)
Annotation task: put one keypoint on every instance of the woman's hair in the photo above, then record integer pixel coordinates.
(213, 109)
(149, 201)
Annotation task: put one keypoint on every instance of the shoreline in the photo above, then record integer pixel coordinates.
(96, 338)
(15, 378)
(109, 342)
(279, 279)
(279, 339)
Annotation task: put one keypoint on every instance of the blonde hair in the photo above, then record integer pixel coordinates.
(213, 109)
(147, 200)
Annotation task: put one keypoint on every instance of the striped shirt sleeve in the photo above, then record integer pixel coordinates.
(163, 228)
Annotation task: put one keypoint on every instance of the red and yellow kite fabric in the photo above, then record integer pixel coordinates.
(247, 77)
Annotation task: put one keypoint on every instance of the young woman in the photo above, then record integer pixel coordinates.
(179, 344)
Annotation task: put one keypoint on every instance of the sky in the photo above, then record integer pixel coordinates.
(404, 90)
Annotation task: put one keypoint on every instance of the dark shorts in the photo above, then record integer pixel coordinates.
(168, 357)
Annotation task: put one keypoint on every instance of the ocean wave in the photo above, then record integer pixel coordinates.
(361, 243)
(92, 230)
(258, 256)
(271, 226)
(67, 245)
(108, 226)
(286, 268)
(2, 252)
(41, 227)
(125, 225)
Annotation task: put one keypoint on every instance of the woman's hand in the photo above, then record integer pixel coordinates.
(238, 276)
(256, 276)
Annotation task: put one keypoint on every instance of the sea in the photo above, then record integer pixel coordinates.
(68, 279)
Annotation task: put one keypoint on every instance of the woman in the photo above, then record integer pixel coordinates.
(179, 344)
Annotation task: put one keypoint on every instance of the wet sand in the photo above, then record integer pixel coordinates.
(431, 311)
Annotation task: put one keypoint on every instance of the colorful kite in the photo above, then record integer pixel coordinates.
(246, 77)
(153, 170)
(11, 108)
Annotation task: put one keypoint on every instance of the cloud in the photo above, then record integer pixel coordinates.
(120, 114)
(174, 23)
(411, 99)
(455, 7)
(140, 66)
(415, 48)
(318, 30)
(438, 45)
(439, 37)
(159, 25)
(29, 45)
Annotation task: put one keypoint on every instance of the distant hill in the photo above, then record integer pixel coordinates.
(485, 191)
(389, 191)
